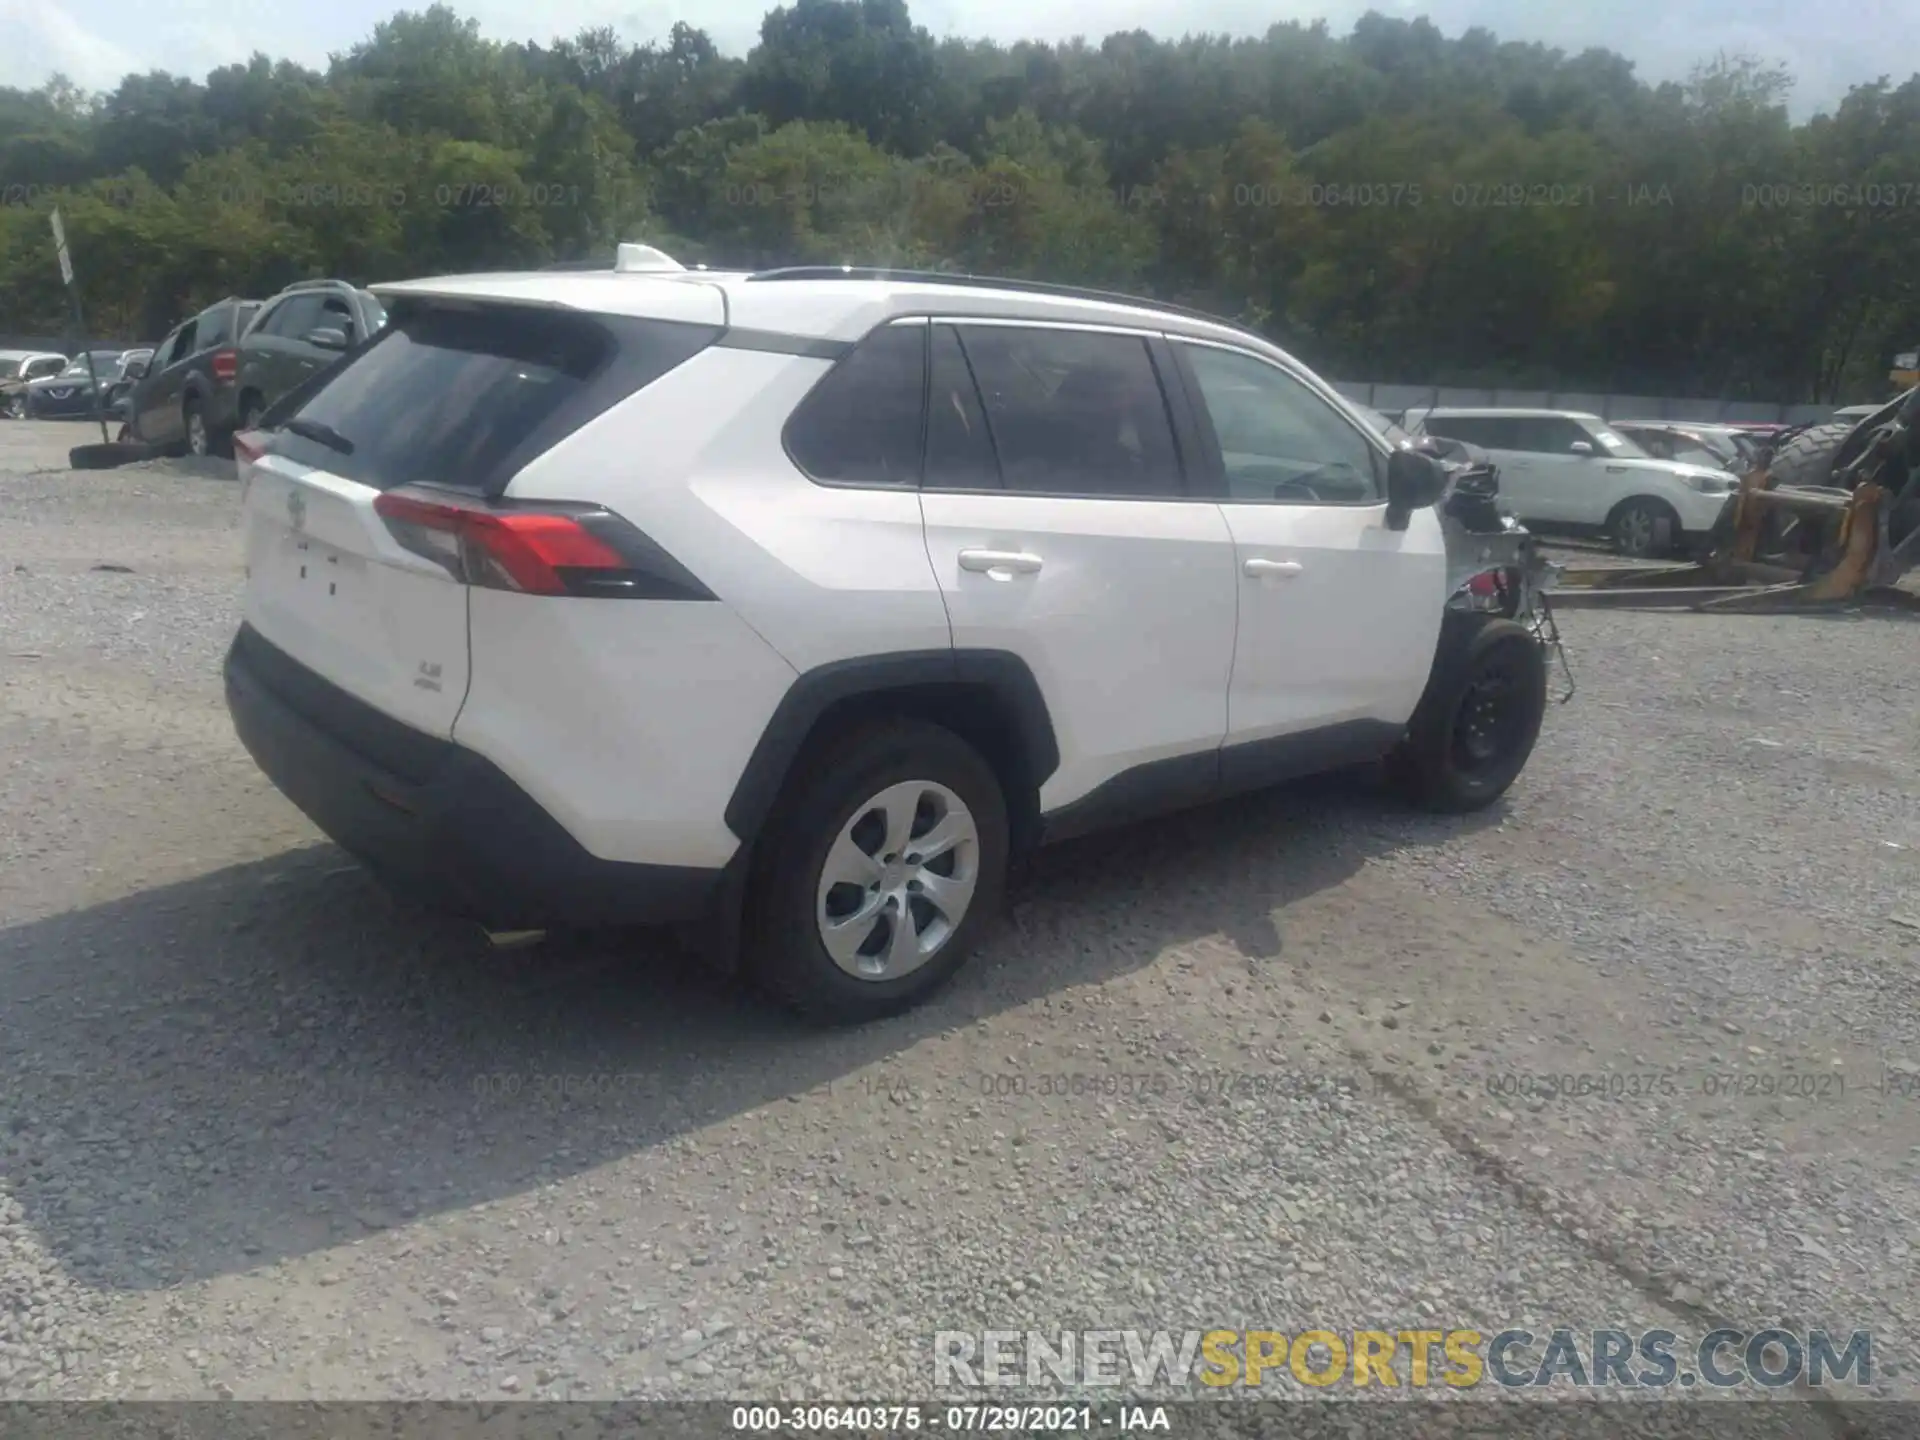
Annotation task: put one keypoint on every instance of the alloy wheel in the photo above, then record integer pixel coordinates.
(898, 880)
(1635, 531)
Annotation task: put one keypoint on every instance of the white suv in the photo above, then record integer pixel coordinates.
(1566, 470)
(791, 606)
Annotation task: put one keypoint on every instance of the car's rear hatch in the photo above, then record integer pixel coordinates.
(454, 397)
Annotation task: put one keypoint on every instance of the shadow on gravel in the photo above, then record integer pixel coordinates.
(278, 1057)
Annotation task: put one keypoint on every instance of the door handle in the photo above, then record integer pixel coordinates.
(1279, 569)
(1001, 564)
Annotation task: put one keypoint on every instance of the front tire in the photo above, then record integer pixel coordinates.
(1476, 725)
(878, 873)
(1644, 529)
(16, 407)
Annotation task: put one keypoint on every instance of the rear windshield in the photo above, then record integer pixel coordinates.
(464, 397)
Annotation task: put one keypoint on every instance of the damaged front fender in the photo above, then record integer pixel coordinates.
(1494, 563)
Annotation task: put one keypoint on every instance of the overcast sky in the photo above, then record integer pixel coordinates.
(95, 42)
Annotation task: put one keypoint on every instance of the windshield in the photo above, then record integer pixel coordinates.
(1692, 445)
(1618, 444)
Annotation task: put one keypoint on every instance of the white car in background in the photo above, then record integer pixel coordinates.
(1568, 470)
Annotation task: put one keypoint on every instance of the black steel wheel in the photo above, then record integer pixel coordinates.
(1476, 724)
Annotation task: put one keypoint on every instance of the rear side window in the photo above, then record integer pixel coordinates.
(463, 398)
(1074, 412)
(861, 424)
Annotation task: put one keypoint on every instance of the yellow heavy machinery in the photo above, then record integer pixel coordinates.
(1832, 518)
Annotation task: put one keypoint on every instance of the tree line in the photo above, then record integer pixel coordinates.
(1392, 204)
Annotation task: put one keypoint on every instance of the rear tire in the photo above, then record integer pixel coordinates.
(1476, 725)
(834, 822)
(193, 422)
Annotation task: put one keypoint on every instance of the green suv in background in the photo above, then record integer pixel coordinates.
(298, 334)
(183, 398)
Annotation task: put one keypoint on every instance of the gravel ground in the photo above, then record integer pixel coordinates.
(267, 1132)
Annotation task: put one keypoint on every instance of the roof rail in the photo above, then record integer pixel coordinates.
(995, 282)
(314, 285)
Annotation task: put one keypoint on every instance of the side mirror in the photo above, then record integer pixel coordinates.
(136, 370)
(1581, 447)
(327, 337)
(1414, 481)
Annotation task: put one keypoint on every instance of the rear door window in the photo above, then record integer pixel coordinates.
(462, 398)
(1074, 412)
(959, 446)
(1471, 428)
(1550, 435)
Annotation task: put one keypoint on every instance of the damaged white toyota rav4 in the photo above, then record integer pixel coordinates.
(791, 607)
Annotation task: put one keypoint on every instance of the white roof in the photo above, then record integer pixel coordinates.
(826, 308)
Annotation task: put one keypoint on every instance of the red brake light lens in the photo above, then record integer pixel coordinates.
(532, 551)
(225, 364)
(1487, 582)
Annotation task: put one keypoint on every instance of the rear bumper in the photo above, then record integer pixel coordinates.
(432, 820)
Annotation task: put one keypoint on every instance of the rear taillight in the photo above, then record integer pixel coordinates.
(548, 549)
(1487, 582)
(225, 364)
